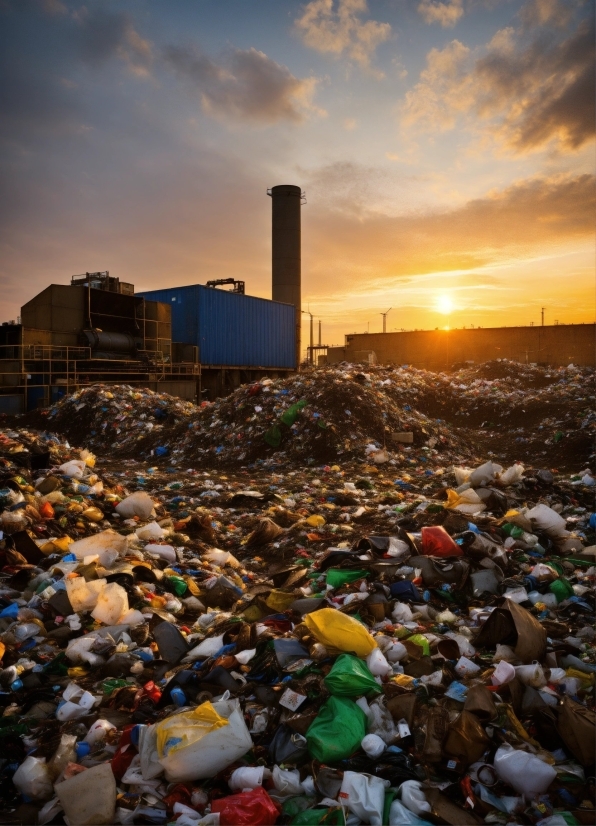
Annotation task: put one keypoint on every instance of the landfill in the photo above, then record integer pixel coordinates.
(356, 595)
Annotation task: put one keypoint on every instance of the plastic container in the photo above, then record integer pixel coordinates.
(32, 779)
(89, 798)
(503, 673)
(526, 773)
(531, 675)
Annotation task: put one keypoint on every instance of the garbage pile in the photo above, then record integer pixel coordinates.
(328, 644)
(516, 412)
(129, 421)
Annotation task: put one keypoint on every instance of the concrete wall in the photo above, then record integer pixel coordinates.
(558, 345)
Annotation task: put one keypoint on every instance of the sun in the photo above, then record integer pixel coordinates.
(444, 304)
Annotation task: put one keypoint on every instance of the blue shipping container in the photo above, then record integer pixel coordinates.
(229, 329)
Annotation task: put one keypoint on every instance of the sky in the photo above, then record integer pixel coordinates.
(445, 148)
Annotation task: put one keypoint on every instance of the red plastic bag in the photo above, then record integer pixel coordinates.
(437, 542)
(124, 754)
(254, 808)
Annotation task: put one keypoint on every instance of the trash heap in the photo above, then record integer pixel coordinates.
(501, 408)
(128, 421)
(326, 644)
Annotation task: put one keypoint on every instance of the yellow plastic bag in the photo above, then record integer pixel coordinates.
(466, 502)
(280, 600)
(315, 521)
(182, 730)
(336, 630)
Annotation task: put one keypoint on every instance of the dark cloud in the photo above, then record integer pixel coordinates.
(248, 86)
(103, 35)
(529, 93)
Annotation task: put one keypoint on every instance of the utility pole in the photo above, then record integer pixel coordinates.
(319, 332)
(385, 314)
(312, 343)
(542, 309)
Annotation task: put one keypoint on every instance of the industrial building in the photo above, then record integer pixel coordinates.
(555, 345)
(194, 341)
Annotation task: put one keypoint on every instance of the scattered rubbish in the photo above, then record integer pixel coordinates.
(375, 614)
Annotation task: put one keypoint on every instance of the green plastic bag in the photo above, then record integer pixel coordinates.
(273, 436)
(336, 577)
(329, 816)
(337, 731)
(289, 416)
(350, 677)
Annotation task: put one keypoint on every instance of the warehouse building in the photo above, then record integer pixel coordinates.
(196, 341)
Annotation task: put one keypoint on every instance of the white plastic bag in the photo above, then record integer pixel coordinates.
(204, 649)
(287, 781)
(150, 531)
(413, 797)
(377, 664)
(399, 815)
(364, 796)
(112, 603)
(547, 520)
(484, 474)
(137, 504)
(83, 595)
(32, 779)
(372, 745)
(108, 545)
(196, 744)
(246, 777)
(524, 772)
(511, 475)
(167, 552)
(75, 469)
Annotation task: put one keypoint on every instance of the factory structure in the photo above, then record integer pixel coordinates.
(196, 342)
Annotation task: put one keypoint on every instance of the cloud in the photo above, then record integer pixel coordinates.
(524, 94)
(546, 12)
(340, 30)
(249, 86)
(534, 215)
(103, 35)
(445, 13)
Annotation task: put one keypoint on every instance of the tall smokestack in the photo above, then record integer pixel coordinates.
(286, 270)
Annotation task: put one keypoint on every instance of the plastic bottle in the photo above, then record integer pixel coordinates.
(178, 696)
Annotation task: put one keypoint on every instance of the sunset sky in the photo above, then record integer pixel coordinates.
(446, 150)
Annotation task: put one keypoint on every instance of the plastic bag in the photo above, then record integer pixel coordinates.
(372, 745)
(483, 474)
(108, 545)
(350, 677)
(364, 796)
(200, 743)
(112, 603)
(33, 780)
(511, 475)
(399, 815)
(526, 773)
(467, 501)
(413, 797)
(337, 730)
(378, 665)
(437, 542)
(547, 520)
(339, 631)
(75, 469)
(246, 778)
(137, 504)
(150, 531)
(254, 808)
